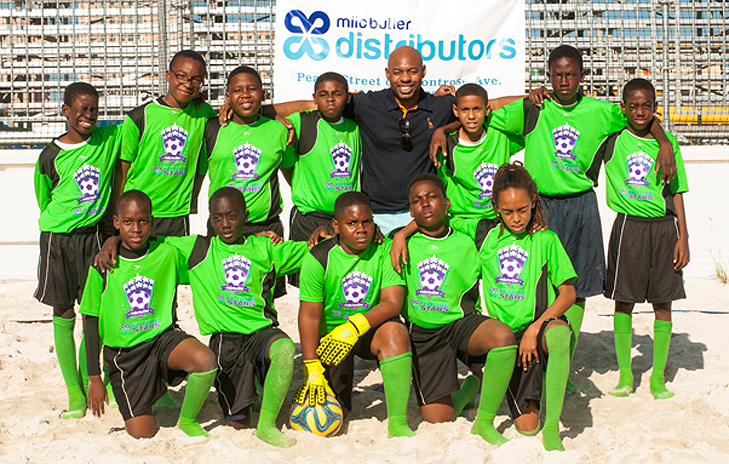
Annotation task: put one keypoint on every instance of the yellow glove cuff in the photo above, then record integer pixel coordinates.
(313, 367)
(360, 323)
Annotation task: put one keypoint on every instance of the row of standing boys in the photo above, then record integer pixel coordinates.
(531, 236)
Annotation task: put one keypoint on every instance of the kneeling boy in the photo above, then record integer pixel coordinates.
(351, 296)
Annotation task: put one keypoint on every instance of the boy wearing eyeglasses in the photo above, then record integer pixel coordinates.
(161, 142)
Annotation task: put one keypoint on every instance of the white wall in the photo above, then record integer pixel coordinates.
(706, 209)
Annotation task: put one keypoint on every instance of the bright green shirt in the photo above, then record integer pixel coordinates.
(346, 284)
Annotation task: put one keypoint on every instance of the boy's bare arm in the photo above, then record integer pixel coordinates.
(399, 249)
(310, 315)
(388, 307)
(438, 140)
(287, 108)
(496, 103)
(666, 160)
(681, 255)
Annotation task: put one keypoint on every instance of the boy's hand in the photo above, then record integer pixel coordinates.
(275, 238)
(105, 259)
(321, 233)
(97, 395)
(528, 347)
(379, 237)
(681, 255)
(538, 95)
(445, 90)
(315, 385)
(399, 251)
(291, 141)
(437, 144)
(666, 162)
(337, 344)
(225, 113)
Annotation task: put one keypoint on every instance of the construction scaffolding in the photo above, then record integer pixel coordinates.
(123, 47)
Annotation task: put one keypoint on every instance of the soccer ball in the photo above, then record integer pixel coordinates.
(324, 420)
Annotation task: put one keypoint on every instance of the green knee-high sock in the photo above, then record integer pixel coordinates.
(558, 345)
(396, 372)
(278, 380)
(496, 376)
(465, 395)
(623, 331)
(575, 315)
(661, 344)
(66, 352)
(198, 386)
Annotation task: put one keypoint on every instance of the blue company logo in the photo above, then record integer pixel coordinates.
(316, 47)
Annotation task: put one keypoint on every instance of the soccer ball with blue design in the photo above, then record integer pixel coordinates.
(324, 420)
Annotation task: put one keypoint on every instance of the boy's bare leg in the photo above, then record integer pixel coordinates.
(528, 423)
(64, 320)
(440, 410)
(623, 332)
(142, 426)
(197, 359)
(662, 327)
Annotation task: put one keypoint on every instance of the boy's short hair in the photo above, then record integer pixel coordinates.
(244, 70)
(77, 89)
(638, 84)
(191, 54)
(135, 195)
(565, 51)
(427, 177)
(472, 89)
(348, 199)
(331, 76)
(228, 192)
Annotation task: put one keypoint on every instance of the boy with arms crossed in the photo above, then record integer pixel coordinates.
(649, 241)
(350, 304)
(73, 184)
(130, 312)
(161, 146)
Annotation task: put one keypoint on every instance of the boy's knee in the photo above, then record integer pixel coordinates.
(504, 336)
(390, 340)
(204, 360)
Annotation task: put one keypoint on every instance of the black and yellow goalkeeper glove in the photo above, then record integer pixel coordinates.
(315, 385)
(339, 342)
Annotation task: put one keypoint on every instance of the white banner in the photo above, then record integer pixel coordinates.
(460, 41)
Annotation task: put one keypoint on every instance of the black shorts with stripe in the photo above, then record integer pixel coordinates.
(139, 375)
(640, 261)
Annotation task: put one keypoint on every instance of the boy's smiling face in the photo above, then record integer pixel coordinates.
(244, 96)
(639, 107)
(184, 69)
(565, 76)
(134, 220)
(228, 218)
(330, 98)
(355, 227)
(81, 114)
(428, 206)
(471, 111)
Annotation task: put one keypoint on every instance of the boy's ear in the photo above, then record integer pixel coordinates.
(622, 108)
(582, 75)
(335, 226)
(227, 97)
(246, 216)
(64, 110)
(349, 97)
(116, 222)
(263, 94)
(455, 111)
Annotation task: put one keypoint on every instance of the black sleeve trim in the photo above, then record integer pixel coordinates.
(308, 133)
(531, 117)
(199, 251)
(451, 143)
(93, 344)
(137, 115)
(321, 251)
(47, 163)
(603, 155)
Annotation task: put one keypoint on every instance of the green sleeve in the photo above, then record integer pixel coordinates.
(509, 119)
(43, 188)
(516, 143)
(210, 112)
(288, 256)
(390, 277)
(291, 154)
(463, 225)
(130, 140)
(183, 245)
(617, 119)
(559, 265)
(679, 183)
(91, 301)
(311, 280)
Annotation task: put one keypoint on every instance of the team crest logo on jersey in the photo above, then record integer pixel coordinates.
(565, 138)
(341, 159)
(639, 165)
(355, 287)
(174, 139)
(511, 262)
(484, 176)
(246, 161)
(138, 291)
(87, 181)
(236, 269)
(432, 273)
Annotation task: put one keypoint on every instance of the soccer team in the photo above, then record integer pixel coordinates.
(360, 165)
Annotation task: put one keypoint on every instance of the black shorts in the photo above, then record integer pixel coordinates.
(241, 358)
(301, 226)
(640, 261)
(435, 370)
(341, 376)
(139, 375)
(64, 264)
(171, 226)
(576, 221)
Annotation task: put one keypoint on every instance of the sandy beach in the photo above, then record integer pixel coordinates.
(693, 426)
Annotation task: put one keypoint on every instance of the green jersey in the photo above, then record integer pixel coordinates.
(346, 284)
(326, 161)
(73, 182)
(633, 186)
(519, 272)
(135, 303)
(232, 285)
(561, 141)
(247, 157)
(469, 167)
(163, 145)
(442, 279)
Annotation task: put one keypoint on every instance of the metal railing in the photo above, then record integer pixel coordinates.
(122, 47)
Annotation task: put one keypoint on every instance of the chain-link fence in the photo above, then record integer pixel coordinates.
(122, 47)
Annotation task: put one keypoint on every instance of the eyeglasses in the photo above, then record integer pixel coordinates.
(182, 79)
(406, 140)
